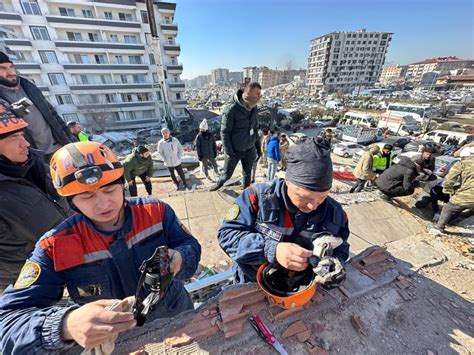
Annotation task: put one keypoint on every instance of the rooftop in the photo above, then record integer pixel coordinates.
(442, 60)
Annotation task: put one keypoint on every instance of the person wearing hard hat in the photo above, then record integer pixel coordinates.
(278, 222)
(461, 198)
(30, 205)
(96, 254)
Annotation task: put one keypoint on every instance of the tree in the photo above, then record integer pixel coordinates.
(97, 114)
(296, 117)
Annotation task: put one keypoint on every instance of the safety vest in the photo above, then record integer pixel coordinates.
(380, 162)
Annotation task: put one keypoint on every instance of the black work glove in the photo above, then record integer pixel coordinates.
(329, 272)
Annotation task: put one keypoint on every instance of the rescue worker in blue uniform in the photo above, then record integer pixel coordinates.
(96, 255)
(275, 221)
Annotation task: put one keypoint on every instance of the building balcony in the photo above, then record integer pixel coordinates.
(179, 103)
(17, 42)
(172, 49)
(165, 7)
(27, 66)
(88, 106)
(133, 124)
(10, 18)
(169, 29)
(176, 87)
(108, 87)
(99, 45)
(92, 66)
(174, 69)
(68, 22)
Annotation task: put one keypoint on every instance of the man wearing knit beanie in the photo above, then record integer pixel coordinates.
(277, 221)
(46, 129)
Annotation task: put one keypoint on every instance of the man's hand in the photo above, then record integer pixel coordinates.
(93, 324)
(176, 259)
(292, 257)
(130, 183)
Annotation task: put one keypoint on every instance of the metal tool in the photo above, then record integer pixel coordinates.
(155, 277)
(265, 334)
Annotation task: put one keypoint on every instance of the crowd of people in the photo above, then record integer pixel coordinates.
(71, 226)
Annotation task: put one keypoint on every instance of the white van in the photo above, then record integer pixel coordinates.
(401, 125)
(333, 105)
(360, 119)
(441, 135)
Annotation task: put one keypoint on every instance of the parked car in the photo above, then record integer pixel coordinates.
(396, 141)
(443, 163)
(347, 149)
(413, 145)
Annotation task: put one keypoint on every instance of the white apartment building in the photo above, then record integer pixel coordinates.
(346, 61)
(96, 60)
(220, 75)
(392, 72)
(252, 73)
(426, 71)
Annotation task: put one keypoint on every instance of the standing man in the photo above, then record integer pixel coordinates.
(30, 205)
(46, 129)
(273, 155)
(138, 163)
(364, 168)
(206, 148)
(276, 221)
(463, 197)
(239, 133)
(284, 145)
(171, 151)
(384, 159)
(76, 130)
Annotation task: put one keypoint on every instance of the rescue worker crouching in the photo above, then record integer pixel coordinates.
(96, 254)
(275, 221)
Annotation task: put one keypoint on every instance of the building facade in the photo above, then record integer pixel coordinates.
(420, 72)
(392, 72)
(111, 64)
(236, 77)
(220, 75)
(251, 72)
(346, 61)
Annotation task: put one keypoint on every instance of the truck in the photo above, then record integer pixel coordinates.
(401, 125)
(362, 135)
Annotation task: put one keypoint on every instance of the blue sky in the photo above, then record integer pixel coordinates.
(237, 33)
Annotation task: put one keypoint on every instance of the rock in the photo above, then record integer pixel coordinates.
(303, 336)
(294, 328)
(325, 344)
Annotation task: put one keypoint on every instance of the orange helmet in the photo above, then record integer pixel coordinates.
(83, 166)
(285, 288)
(9, 123)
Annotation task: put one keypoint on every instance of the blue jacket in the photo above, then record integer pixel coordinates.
(92, 265)
(273, 148)
(263, 216)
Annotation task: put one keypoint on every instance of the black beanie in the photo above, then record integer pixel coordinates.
(142, 149)
(4, 58)
(309, 165)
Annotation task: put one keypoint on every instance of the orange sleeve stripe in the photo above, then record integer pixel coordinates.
(254, 202)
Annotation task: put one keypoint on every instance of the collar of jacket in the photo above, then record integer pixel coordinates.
(127, 226)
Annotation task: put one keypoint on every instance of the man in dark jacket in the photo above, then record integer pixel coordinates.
(398, 180)
(239, 133)
(46, 129)
(426, 162)
(138, 163)
(29, 203)
(206, 148)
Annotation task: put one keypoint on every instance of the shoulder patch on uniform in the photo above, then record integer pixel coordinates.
(28, 275)
(233, 212)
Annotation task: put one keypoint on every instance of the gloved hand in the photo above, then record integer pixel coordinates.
(329, 272)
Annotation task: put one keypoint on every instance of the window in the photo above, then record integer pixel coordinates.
(130, 39)
(114, 38)
(84, 79)
(152, 58)
(125, 17)
(64, 99)
(30, 7)
(67, 12)
(178, 96)
(100, 59)
(57, 79)
(48, 57)
(74, 36)
(39, 33)
(70, 117)
(170, 40)
(383, 43)
(106, 79)
(138, 78)
(134, 59)
(144, 16)
(155, 78)
(110, 98)
(167, 20)
(119, 59)
(108, 15)
(123, 79)
(87, 13)
(126, 97)
(93, 37)
(148, 38)
(81, 59)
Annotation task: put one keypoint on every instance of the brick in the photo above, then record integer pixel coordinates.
(303, 336)
(294, 328)
(287, 312)
(358, 325)
(179, 340)
(374, 259)
(404, 295)
(344, 291)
